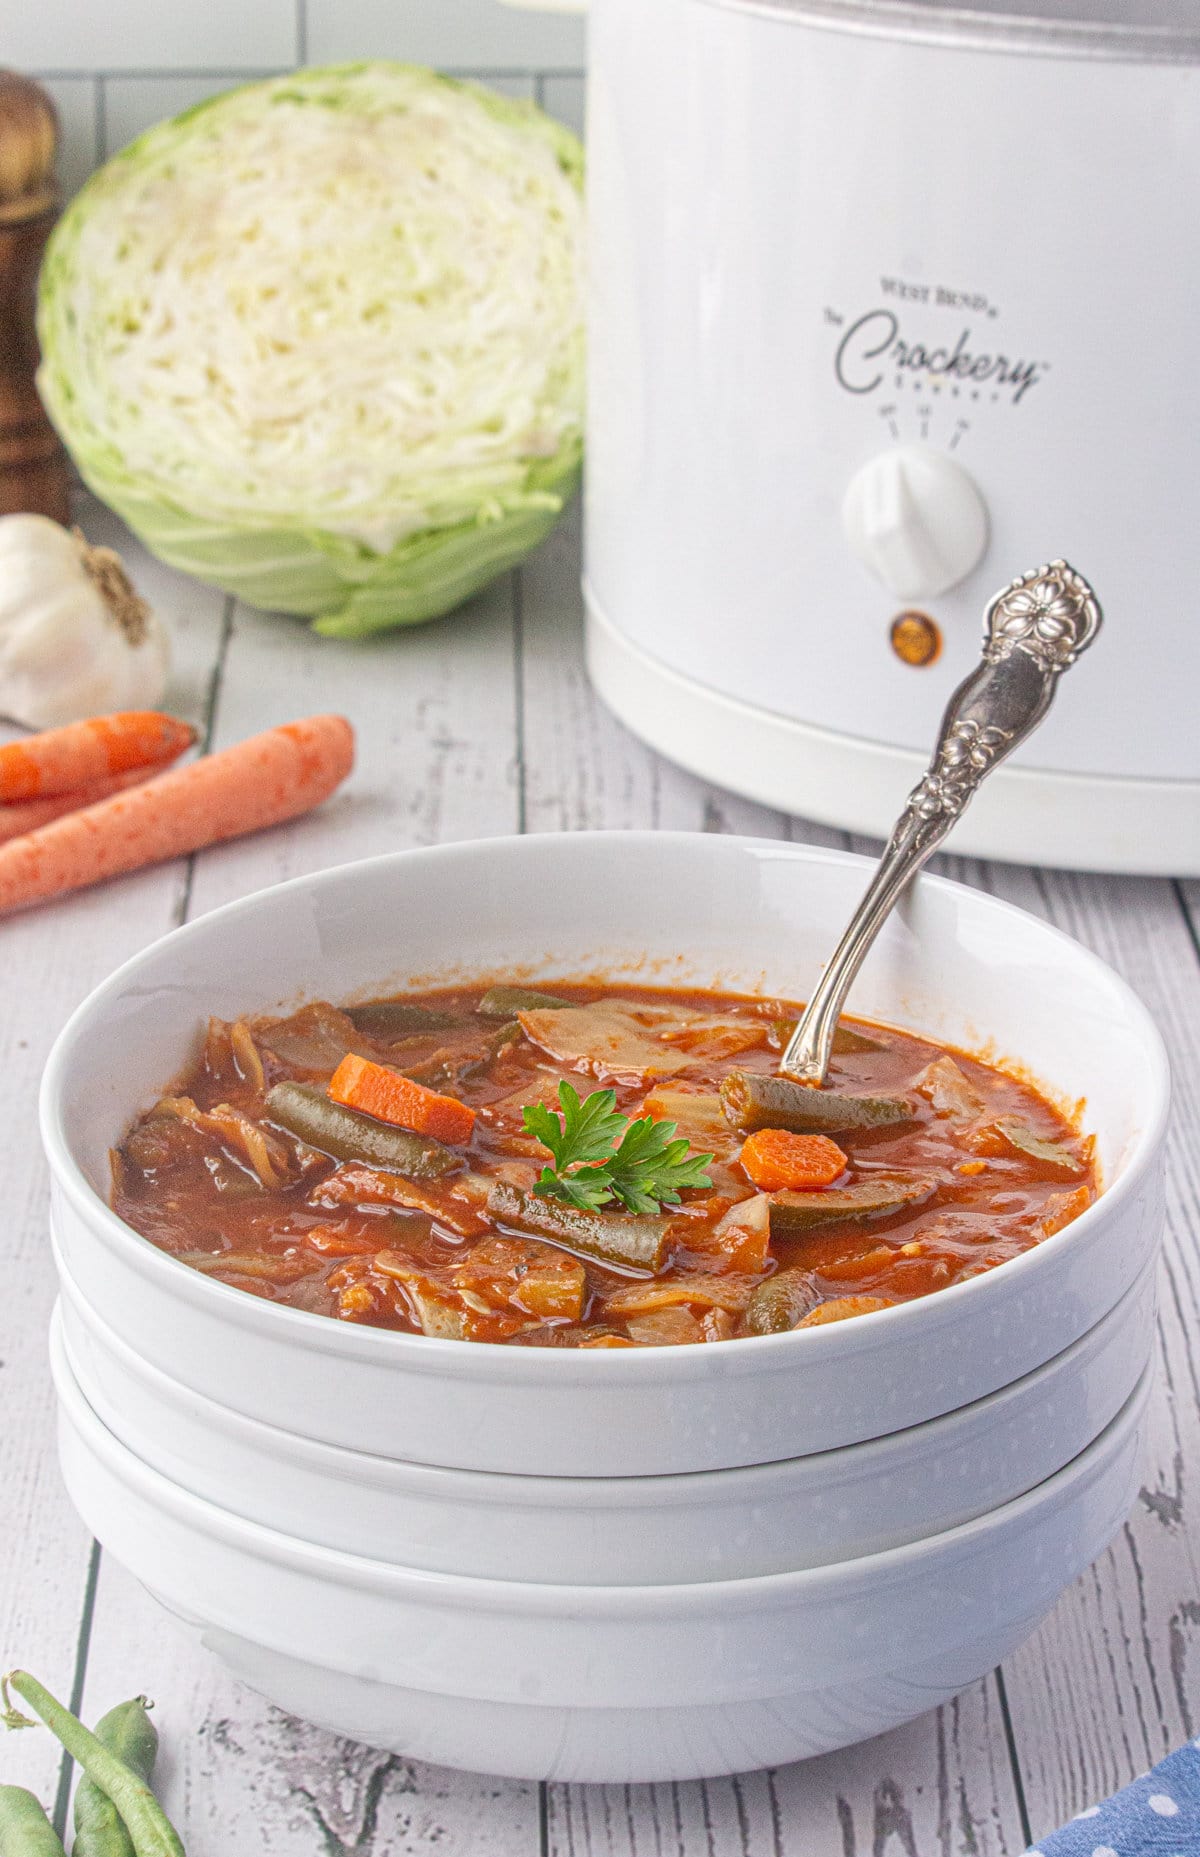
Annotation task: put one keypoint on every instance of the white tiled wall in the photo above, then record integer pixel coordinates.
(478, 35)
(114, 67)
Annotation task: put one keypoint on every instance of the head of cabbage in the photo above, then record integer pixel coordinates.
(320, 340)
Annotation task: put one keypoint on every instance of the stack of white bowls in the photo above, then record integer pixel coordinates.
(611, 1565)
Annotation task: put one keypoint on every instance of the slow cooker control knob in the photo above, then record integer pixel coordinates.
(916, 520)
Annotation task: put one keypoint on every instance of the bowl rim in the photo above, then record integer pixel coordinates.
(422, 1481)
(478, 1359)
(722, 1597)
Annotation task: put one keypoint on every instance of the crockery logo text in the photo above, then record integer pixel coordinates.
(877, 348)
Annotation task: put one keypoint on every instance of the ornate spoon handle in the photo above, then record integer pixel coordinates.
(1033, 631)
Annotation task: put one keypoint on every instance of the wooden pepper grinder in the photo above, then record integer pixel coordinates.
(33, 466)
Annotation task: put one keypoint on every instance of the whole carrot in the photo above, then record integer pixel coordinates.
(259, 782)
(28, 815)
(64, 760)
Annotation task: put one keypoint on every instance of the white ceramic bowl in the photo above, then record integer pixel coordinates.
(952, 962)
(601, 1682)
(717, 1524)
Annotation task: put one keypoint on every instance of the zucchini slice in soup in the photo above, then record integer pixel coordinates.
(753, 1101)
(346, 1135)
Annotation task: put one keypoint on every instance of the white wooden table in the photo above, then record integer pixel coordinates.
(486, 724)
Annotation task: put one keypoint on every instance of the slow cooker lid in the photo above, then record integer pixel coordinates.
(1156, 30)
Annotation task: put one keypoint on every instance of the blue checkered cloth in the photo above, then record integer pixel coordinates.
(1158, 1816)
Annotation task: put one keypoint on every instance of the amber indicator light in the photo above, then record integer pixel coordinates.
(915, 638)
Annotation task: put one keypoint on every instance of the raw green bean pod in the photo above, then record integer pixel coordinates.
(753, 1100)
(872, 1198)
(127, 1732)
(389, 1020)
(305, 1111)
(507, 1002)
(633, 1240)
(778, 1304)
(150, 1830)
(25, 1831)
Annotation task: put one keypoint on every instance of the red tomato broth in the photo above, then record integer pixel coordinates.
(328, 1240)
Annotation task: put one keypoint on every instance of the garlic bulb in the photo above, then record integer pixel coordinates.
(75, 639)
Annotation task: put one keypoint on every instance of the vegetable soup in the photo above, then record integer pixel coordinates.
(590, 1166)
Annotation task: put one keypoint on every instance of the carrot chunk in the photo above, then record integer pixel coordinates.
(81, 753)
(776, 1159)
(377, 1091)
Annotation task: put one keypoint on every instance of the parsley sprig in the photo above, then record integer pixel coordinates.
(601, 1158)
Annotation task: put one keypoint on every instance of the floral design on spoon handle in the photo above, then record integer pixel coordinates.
(1034, 630)
(1052, 614)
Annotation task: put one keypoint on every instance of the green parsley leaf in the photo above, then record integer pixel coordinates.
(600, 1158)
(650, 1167)
(587, 1188)
(586, 1131)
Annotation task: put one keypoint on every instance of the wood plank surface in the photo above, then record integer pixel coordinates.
(486, 724)
(941, 1784)
(50, 960)
(242, 1779)
(938, 1785)
(1112, 1680)
(434, 711)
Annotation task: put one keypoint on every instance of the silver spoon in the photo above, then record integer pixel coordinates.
(1033, 631)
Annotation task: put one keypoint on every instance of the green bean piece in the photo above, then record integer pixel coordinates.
(633, 1240)
(25, 1831)
(232, 1180)
(150, 1830)
(437, 1073)
(127, 1732)
(752, 1100)
(496, 1043)
(846, 1041)
(305, 1111)
(507, 1034)
(1050, 1153)
(389, 1020)
(778, 1304)
(507, 1002)
(873, 1198)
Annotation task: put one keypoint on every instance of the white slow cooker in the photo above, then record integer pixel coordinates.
(890, 301)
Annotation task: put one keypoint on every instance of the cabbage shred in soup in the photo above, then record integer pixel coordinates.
(590, 1166)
